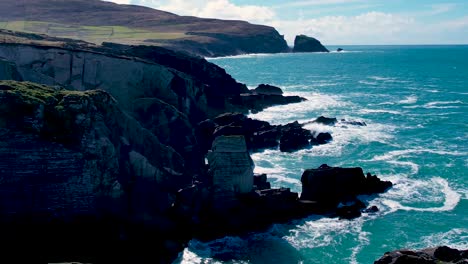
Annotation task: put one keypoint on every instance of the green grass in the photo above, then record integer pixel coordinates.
(90, 33)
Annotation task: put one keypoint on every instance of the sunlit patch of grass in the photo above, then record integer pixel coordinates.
(95, 34)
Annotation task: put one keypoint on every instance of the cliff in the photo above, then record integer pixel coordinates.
(99, 21)
(70, 160)
(106, 148)
(303, 43)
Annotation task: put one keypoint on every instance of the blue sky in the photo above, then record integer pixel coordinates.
(339, 22)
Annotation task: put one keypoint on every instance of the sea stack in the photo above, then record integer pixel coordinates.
(303, 43)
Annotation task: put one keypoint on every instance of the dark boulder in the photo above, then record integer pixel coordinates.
(261, 182)
(339, 50)
(264, 139)
(374, 185)
(322, 138)
(326, 121)
(447, 254)
(441, 254)
(268, 89)
(371, 210)
(294, 137)
(353, 123)
(332, 185)
(303, 43)
(351, 210)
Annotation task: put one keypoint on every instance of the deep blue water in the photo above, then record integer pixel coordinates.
(414, 100)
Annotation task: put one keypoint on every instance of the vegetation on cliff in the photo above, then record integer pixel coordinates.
(98, 21)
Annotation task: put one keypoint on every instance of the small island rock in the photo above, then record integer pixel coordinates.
(303, 43)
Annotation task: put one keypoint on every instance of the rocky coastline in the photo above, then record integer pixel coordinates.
(121, 145)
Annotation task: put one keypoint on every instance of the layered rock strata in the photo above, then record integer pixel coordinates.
(231, 170)
(73, 160)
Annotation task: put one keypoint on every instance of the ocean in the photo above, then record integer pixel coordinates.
(414, 100)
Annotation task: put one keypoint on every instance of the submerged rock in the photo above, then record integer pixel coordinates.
(303, 43)
(326, 121)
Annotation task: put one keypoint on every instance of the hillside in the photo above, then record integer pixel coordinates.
(98, 21)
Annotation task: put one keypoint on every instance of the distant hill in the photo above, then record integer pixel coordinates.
(98, 21)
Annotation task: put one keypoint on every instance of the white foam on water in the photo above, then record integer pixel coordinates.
(369, 83)
(344, 135)
(442, 105)
(393, 157)
(433, 191)
(283, 114)
(381, 78)
(322, 232)
(277, 174)
(363, 241)
(248, 56)
(412, 99)
(407, 152)
(455, 238)
(380, 111)
(347, 51)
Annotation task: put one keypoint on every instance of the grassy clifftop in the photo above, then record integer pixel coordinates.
(98, 21)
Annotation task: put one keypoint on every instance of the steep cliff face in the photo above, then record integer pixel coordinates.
(304, 43)
(131, 24)
(194, 86)
(67, 155)
(8, 70)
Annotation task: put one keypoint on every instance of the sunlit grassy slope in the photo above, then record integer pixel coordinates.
(94, 34)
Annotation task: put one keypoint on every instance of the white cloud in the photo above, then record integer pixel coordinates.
(126, 2)
(214, 9)
(371, 27)
(316, 3)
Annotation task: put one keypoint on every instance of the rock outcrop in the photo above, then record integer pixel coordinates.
(231, 170)
(330, 186)
(442, 254)
(259, 134)
(268, 89)
(74, 160)
(303, 43)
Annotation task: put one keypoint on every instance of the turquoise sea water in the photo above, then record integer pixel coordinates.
(414, 100)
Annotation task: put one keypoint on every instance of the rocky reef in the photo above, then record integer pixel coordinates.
(303, 43)
(442, 254)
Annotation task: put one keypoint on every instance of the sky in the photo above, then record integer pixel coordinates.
(339, 22)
